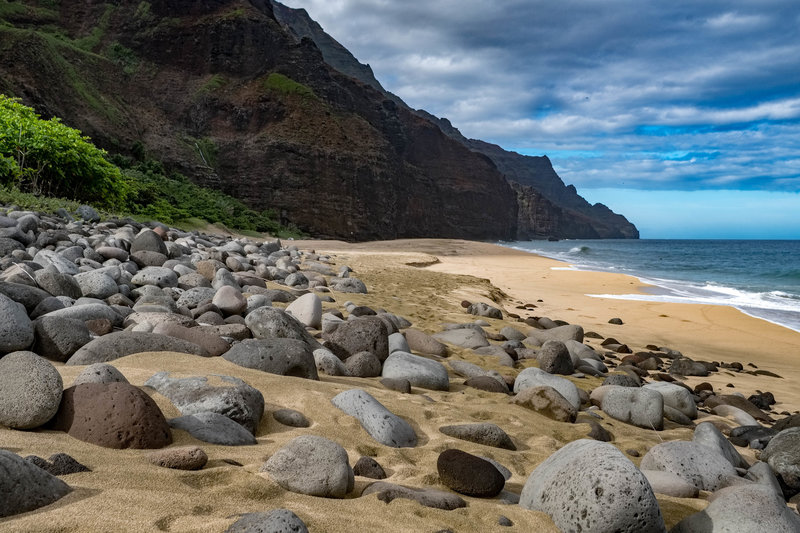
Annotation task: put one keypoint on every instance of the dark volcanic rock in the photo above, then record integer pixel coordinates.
(114, 415)
(468, 474)
(369, 467)
(26, 487)
(122, 343)
(367, 334)
(285, 357)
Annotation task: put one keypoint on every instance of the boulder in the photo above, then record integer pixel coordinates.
(307, 309)
(26, 487)
(538, 337)
(469, 338)
(591, 486)
(119, 344)
(232, 398)
(707, 434)
(369, 467)
(349, 285)
(149, 241)
(468, 474)
(366, 334)
(99, 373)
(291, 418)
(398, 343)
(59, 338)
(328, 363)
(548, 402)
(59, 284)
(740, 403)
(382, 425)
(670, 484)
(637, 406)
(87, 312)
(363, 365)
(783, 456)
(213, 428)
(30, 390)
(275, 521)
(419, 371)
(16, 329)
(535, 377)
(96, 284)
(484, 433)
(285, 357)
(112, 415)
(271, 322)
(699, 466)
(486, 310)
(156, 276)
(436, 499)
(487, 383)
(683, 366)
(213, 344)
(59, 464)
(554, 358)
(312, 465)
(229, 300)
(421, 342)
(675, 396)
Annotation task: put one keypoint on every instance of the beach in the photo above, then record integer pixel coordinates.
(425, 281)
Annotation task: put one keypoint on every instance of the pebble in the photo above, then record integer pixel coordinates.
(181, 458)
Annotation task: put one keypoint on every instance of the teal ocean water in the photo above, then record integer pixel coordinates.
(759, 277)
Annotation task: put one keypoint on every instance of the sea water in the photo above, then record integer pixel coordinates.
(758, 277)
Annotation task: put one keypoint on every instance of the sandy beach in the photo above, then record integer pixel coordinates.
(424, 281)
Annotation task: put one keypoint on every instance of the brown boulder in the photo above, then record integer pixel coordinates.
(421, 342)
(112, 415)
(182, 458)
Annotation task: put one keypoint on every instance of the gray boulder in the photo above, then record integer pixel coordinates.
(328, 363)
(312, 465)
(88, 311)
(276, 521)
(755, 508)
(96, 284)
(469, 338)
(486, 310)
(156, 276)
(99, 373)
(675, 396)
(536, 377)
(436, 499)
(307, 309)
(122, 343)
(285, 357)
(149, 241)
(213, 428)
(271, 322)
(58, 284)
(538, 337)
(707, 434)
(421, 342)
(420, 372)
(683, 366)
(16, 329)
(783, 456)
(30, 390)
(699, 466)
(554, 358)
(58, 338)
(232, 398)
(382, 425)
(351, 285)
(398, 343)
(591, 486)
(641, 407)
(366, 334)
(26, 487)
(363, 365)
(88, 213)
(670, 484)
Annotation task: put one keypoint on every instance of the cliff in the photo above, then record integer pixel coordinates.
(254, 99)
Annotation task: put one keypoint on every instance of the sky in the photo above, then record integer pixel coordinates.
(682, 115)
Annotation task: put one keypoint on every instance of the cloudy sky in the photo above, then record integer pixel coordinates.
(682, 115)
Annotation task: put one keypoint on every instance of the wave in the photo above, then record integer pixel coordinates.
(580, 250)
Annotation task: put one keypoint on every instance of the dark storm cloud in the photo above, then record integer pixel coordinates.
(615, 92)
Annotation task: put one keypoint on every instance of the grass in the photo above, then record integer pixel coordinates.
(286, 85)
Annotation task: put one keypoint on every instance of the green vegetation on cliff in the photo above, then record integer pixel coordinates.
(43, 159)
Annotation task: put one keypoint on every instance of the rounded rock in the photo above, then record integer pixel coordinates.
(30, 390)
(312, 465)
(468, 474)
(419, 371)
(26, 487)
(182, 458)
(16, 329)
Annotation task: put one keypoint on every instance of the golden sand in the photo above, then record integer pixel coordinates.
(425, 281)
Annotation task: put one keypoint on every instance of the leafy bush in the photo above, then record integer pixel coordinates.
(50, 158)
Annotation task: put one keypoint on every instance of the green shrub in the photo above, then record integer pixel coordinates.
(53, 159)
(286, 85)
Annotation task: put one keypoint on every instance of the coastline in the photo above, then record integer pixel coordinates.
(700, 331)
(425, 281)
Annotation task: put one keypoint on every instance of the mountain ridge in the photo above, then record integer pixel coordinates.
(223, 92)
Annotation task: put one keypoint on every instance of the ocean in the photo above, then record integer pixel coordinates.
(758, 277)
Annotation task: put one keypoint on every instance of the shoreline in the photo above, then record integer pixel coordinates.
(700, 331)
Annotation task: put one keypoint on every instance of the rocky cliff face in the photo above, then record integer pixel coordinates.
(221, 91)
(254, 99)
